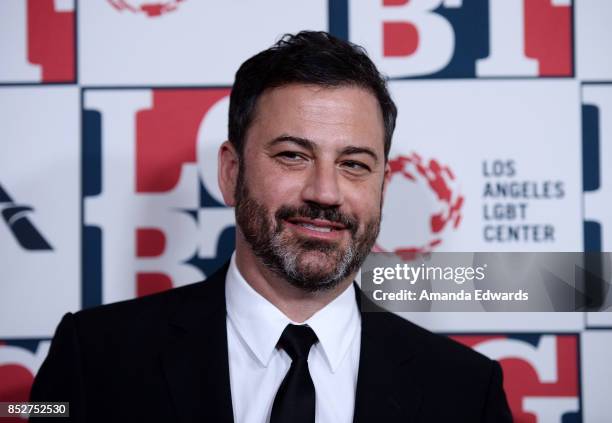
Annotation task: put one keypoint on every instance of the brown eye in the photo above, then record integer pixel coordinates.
(356, 166)
(291, 158)
(290, 155)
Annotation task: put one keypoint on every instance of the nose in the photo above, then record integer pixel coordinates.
(322, 186)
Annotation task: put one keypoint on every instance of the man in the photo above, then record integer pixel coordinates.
(277, 334)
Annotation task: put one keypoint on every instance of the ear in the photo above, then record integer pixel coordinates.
(227, 172)
(386, 179)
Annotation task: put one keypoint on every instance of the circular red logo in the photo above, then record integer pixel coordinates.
(422, 204)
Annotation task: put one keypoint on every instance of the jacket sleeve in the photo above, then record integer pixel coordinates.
(496, 408)
(59, 378)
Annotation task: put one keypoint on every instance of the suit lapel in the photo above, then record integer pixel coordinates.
(388, 383)
(195, 357)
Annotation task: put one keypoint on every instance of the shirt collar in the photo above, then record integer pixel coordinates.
(260, 324)
(337, 325)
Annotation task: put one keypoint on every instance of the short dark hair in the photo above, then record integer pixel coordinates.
(308, 57)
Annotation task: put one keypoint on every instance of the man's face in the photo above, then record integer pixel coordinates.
(309, 191)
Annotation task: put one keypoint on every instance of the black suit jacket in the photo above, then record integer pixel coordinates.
(164, 358)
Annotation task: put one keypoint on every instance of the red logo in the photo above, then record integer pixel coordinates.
(179, 231)
(50, 35)
(166, 139)
(19, 362)
(540, 373)
(437, 184)
(150, 8)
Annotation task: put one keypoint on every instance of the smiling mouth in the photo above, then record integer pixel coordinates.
(315, 228)
(317, 225)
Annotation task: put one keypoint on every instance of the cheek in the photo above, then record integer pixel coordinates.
(275, 187)
(275, 194)
(365, 200)
(272, 194)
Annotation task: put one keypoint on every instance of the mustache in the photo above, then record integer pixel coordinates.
(315, 211)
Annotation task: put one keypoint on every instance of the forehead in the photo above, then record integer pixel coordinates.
(329, 117)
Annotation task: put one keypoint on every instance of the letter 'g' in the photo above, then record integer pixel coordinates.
(378, 279)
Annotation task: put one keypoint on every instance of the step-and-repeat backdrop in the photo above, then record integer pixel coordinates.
(111, 113)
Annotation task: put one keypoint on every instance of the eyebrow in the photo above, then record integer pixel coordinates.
(311, 146)
(360, 150)
(302, 142)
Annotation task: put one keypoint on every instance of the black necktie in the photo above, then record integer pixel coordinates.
(295, 399)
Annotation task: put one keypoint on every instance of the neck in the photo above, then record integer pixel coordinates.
(295, 303)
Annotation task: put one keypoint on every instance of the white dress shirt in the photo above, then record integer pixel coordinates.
(257, 367)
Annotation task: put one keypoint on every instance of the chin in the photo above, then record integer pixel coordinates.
(327, 262)
(317, 267)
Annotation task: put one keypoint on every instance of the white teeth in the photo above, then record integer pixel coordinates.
(315, 228)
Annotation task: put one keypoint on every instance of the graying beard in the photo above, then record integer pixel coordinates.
(288, 261)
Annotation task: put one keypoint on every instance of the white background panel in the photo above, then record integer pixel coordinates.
(13, 44)
(40, 168)
(24, 26)
(200, 42)
(465, 124)
(597, 202)
(592, 39)
(599, 319)
(596, 375)
(489, 322)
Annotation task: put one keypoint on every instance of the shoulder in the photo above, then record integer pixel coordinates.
(155, 306)
(152, 313)
(437, 369)
(438, 351)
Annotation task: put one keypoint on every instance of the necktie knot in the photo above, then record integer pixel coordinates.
(296, 340)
